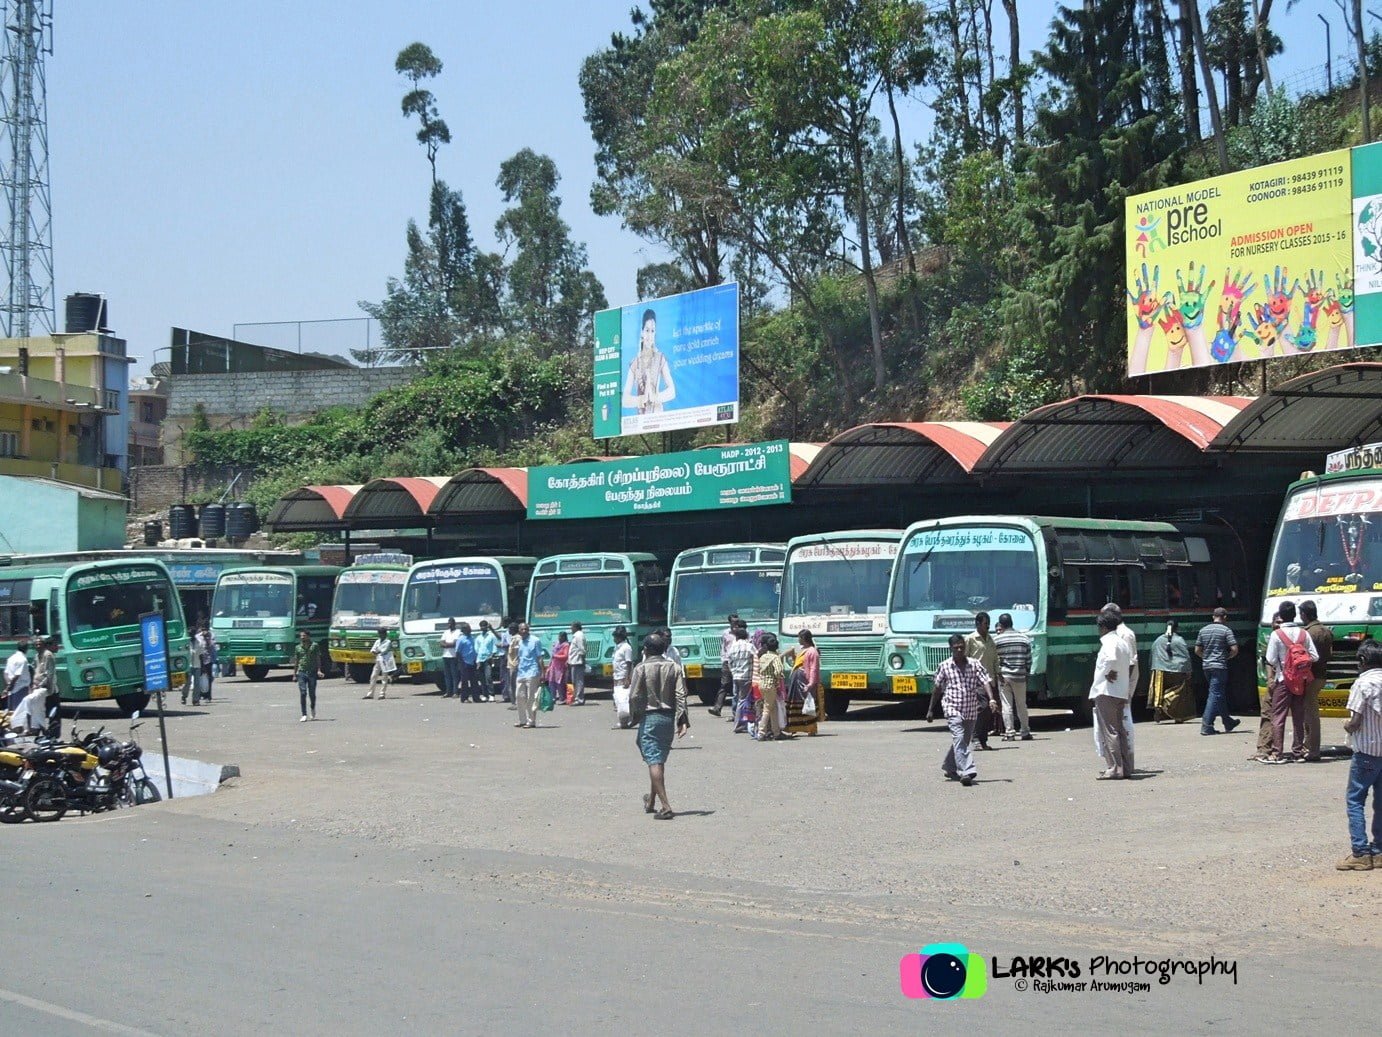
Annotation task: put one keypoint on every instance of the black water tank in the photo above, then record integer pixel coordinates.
(182, 521)
(242, 522)
(153, 533)
(213, 520)
(86, 311)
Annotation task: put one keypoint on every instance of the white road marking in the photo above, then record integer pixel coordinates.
(71, 1015)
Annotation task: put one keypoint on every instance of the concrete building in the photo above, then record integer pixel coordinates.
(53, 430)
(39, 516)
(148, 408)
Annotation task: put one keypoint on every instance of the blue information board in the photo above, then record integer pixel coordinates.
(153, 639)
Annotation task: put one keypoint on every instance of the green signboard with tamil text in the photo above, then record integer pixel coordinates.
(691, 480)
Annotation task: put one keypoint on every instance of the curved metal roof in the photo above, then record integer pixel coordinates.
(1312, 414)
(896, 453)
(1112, 434)
(311, 508)
(482, 491)
(399, 501)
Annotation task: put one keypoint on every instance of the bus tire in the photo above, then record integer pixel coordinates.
(359, 672)
(836, 705)
(256, 673)
(129, 705)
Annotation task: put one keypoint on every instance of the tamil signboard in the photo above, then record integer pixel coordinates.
(690, 480)
(1355, 459)
(153, 639)
(671, 363)
(1245, 266)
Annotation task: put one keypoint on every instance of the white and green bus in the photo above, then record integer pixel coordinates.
(708, 583)
(464, 589)
(1053, 575)
(836, 586)
(369, 597)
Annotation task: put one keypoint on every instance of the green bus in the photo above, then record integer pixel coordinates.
(1328, 549)
(369, 595)
(464, 589)
(708, 583)
(1053, 575)
(836, 586)
(257, 612)
(601, 591)
(93, 608)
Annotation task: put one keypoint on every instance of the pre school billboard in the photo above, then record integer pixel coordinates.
(1245, 266)
(667, 364)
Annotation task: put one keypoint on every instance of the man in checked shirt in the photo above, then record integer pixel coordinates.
(961, 684)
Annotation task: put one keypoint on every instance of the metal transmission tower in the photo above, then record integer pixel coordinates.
(27, 242)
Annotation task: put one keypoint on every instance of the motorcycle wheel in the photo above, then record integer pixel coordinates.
(146, 792)
(46, 800)
(11, 811)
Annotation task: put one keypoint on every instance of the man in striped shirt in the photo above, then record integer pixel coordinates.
(1014, 666)
(961, 684)
(1364, 727)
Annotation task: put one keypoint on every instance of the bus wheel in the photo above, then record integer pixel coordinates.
(836, 705)
(256, 673)
(359, 672)
(131, 704)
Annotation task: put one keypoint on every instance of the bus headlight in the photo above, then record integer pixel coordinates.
(896, 661)
(179, 662)
(411, 652)
(95, 675)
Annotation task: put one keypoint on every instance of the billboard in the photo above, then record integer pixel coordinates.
(667, 364)
(743, 476)
(1242, 266)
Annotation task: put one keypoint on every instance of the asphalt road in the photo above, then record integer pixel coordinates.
(419, 865)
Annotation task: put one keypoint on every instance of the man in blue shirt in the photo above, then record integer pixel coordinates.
(465, 652)
(486, 648)
(529, 676)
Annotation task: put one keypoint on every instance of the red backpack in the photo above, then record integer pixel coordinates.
(1295, 670)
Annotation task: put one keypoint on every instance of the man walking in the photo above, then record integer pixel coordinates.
(741, 664)
(658, 704)
(575, 664)
(1014, 665)
(1323, 639)
(384, 665)
(622, 669)
(527, 674)
(960, 685)
(307, 665)
(1289, 654)
(17, 675)
(486, 645)
(726, 678)
(1216, 645)
(1364, 727)
(510, 645)
(981, 648)
(1109, 692)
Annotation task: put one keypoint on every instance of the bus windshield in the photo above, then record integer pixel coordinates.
(838, 587)
(444, 592)
(945, 576)
(1329, 546)
(708, 597)
(253, 596)
(368, 595)
(116, 598)
(563, 599)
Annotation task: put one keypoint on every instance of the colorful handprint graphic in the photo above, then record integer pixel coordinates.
(1237, 287)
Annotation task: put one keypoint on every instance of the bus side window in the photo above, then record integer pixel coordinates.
(38, 617)
(1154, 588)
(1175, 595)
(1076, 592)
(1129, 588)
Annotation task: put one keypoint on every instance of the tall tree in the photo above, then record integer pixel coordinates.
(1015, 64)
(416, 62)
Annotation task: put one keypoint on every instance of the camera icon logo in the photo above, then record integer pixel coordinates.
(943, 972)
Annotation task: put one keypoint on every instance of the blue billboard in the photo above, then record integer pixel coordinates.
(667, 364)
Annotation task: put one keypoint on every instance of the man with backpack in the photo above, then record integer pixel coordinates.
(1290, 655)
(1323, 639)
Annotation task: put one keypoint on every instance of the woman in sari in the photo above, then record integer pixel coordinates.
(556, 669)
(1170, 694)
(804, 681)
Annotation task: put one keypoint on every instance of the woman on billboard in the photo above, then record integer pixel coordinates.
(649, 372)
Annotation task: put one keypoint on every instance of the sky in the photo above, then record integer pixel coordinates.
(218, 163)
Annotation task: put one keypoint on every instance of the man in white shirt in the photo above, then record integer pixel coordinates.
(741, 658)
(671, 652)
(575, 663)
(28, 717)
(384, 665)
(623, 672)
(1109, 692)
(1122, 629)
(17, 676)
(1282, 701)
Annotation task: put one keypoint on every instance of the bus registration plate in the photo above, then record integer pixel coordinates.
(415, 666)
(904, 685)
(694, 670)
(849, 681)
(245, 660)
(100, 691)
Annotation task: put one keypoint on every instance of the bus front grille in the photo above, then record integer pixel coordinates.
(1342, 668)
(711, 647)
(863, 657)
(126, 667)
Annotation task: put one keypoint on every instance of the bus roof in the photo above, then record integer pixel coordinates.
(845, 534)
(290, 570)
(709, 549)
(1050, 522)
(9, 571)
(630, 556)
(1325, 478)
(516, 560)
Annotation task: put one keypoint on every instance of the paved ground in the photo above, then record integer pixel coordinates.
(419, 863)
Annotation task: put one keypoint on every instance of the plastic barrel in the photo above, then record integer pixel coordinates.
(242, 521)
(213, 520)
(153, 533)
(182, 521)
